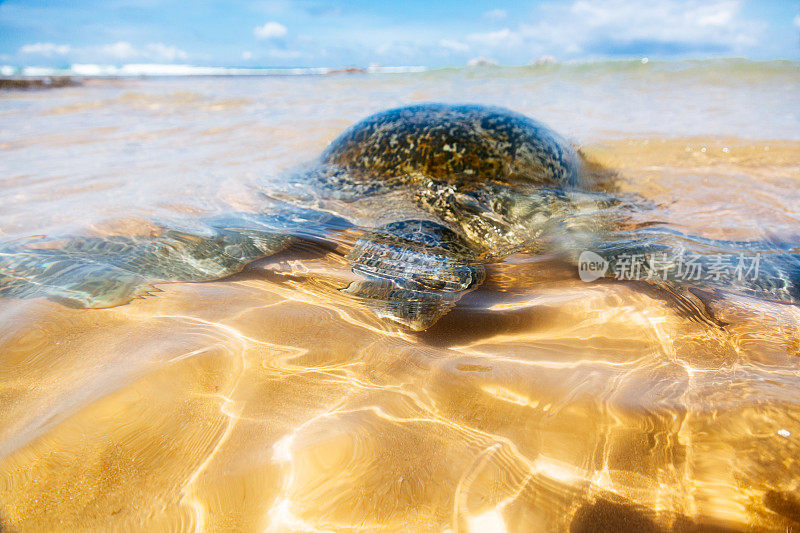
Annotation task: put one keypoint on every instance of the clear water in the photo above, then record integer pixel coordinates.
(269, 401)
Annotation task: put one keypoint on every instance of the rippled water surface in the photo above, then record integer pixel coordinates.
(271, 401)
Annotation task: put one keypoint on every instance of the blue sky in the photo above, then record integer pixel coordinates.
(401, 32)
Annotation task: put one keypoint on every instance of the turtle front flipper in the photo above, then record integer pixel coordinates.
(414, 272)
(67, 274)
(763, 270)
(98, 272)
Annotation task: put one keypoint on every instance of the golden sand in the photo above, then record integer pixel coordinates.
(271, 402)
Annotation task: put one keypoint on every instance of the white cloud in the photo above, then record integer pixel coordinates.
(627, 27)
(119, 50)
(495, 14)
(124, 50)
(46, 49)
(270, 30)
(797, 22)
(688, 25)
(504, 37)
(719, 14)
(162, 52)
(455, 46)
(561, 28)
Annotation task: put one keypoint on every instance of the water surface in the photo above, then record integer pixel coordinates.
(270, 401)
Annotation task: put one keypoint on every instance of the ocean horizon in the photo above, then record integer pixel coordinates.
(90, 70)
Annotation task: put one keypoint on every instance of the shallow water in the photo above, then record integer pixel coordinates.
(270, 401)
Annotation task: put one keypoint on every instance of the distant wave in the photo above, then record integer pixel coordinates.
(151, 69)
(644, 64)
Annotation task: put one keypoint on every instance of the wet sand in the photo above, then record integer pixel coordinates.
(270, 401)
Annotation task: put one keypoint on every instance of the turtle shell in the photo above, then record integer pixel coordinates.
(460, 144)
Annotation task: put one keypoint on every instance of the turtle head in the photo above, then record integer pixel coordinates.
(413, 272)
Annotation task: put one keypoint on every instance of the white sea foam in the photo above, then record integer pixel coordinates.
(42, 71)
(156, 69)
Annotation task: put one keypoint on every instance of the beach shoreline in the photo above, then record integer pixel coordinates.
(38, 82)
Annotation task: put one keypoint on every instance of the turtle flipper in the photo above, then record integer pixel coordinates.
(416, 310)
(414, 272)
(72, 279)
(757, 269)
(96, 272)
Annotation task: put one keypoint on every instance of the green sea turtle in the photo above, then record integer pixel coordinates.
(437, 191)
